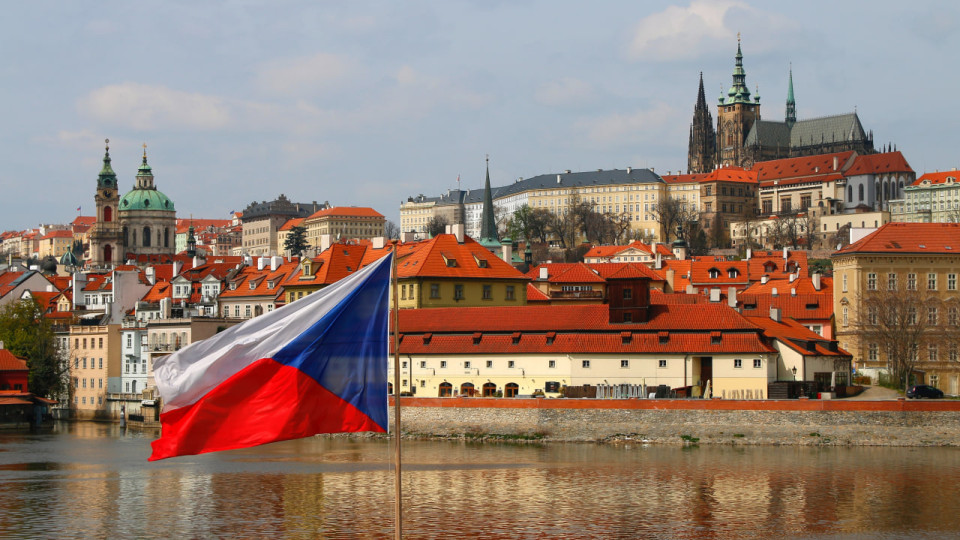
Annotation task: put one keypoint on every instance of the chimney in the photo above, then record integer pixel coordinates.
(507, 252)
(275, 263)
(458, 230)
(785, 253)
(793, 291)
(544, 273)
(405, 237)
(764, 279)
(671, 275)
(773, 292)
(836, 162)
(732, 297)
(749, 253)
(658, 261)
(325, 241)
(151, 273)
(629, 170)
(378, 242)
(558, 178)
(714, 295)
(261, 263)
(793, 277)
(816, 281)
(775, 314)
(448, 229)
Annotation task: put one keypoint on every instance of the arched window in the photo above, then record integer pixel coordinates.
(146, 237)
(489, 389)
(511, 390)
(849, 193)
(108, 213)
(446, 389)
(166, 237)
(467, 389)
(108, 253)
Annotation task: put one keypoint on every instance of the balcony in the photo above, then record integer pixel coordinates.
(576, 294)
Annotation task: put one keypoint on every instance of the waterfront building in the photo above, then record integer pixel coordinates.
(932, 198)
(921, 259)
(95, 367)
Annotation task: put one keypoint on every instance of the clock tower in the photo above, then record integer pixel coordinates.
(736, 114)
(106, 238)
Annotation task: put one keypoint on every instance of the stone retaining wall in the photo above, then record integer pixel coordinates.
(795, 422)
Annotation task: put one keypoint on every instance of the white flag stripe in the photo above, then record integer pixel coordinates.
(187, 375)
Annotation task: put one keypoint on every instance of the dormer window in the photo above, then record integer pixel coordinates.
(253, 285)
(714, 273)
(732, 273)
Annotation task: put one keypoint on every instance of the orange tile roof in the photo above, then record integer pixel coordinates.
(9, 362)
(86, 221)
(683, 178)
(790, 332)
(802, 307)
(261, 280)
(912, 238)
(803, 285)
(818, 178)
(937, 177)
(443, 257)
(621, 270)
(157, 292)
(730, 174)
(58, 234)
(801, 166)
(333, 264)
(346, 211)
(577, 273)
(61, 283)
(606, 252)
(291, 223)
(183, 225)
(534, 295)
(878, 164)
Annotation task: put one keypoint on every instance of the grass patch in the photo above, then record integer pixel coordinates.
(690, 439)
(814, 434)
(738, 435)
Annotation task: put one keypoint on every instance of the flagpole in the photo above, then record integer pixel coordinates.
(398, 506)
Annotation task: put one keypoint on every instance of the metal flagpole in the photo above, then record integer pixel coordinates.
(398, 505)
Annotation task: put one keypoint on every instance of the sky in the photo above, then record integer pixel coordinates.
(366, 103)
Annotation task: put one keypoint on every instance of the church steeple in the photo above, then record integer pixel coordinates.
(791, 116)
(107, 178)
(739, 93)
(145, 173)
(488, 223)
(191, 241)
(701, 151)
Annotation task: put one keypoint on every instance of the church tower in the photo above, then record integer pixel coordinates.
(702, 149)
(791, 115)
(736, 114)
(106, 246)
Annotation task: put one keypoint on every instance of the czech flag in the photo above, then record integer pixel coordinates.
(317, 365)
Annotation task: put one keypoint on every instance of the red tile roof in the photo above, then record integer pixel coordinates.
(183, 225)
(291, 223)
(938, 177)
(802, 307)
(346, 211)
(912, 238)
(608, 252)
(333, 264)
(730, 174)
(61, 283)
(9, 362)
(802, 166)
(796, 336)
(622, 270)
(443, 257)
(261, 280)
(683, 178)
(803, 285)
(57, 234)
(887, 162)
(534, 295)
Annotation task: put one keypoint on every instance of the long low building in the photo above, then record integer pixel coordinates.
(526, 350)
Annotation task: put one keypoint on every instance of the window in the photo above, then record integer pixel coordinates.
(911, 282)
(844, 283)
(912, 315)
(552, 364)
(933, 315)
(627, 293)
(953, 315)
(488, 292)
(443, 364)
(511, 294)
(932, 281)
(434, 290)
(932, 352)
(953, 352)
(737, 363)
(466, 365)
(403, 292)
(846, 313)
(236, 311)
(951, 282)
(129, 340)
(101, 363)
(871, 281)
(458, 291)
(873, 353)
(872, 315)
(246, 311)
(891, 281)
(84, 363)
(757, 363)
(585, 364)
(624, 364)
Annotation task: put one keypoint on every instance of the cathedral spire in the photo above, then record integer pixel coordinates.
(703, 138)
(739, 93)
(145, 173)
(791, 116)
(107, 178)
(488, 223)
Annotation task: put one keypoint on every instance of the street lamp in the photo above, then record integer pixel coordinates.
(794, 370)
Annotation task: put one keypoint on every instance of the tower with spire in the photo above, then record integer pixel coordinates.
(488, 221)
(106, 238)
(702, 149)
(736, 114)
(791, 115)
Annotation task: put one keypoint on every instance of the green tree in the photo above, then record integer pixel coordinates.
(296, 241)
(27, 334)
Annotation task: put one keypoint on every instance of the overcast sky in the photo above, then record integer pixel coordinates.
(367, 103)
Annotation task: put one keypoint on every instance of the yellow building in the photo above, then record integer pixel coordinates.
(923, 258)
(343, 222)
(55, 243)
(95, 368)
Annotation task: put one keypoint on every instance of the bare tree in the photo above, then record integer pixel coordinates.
(895, 324)
(391, 230)
(841, 237)
(809, 229)
(671, 213)
(563, 228)
(437, 225)
(502, 218)
(621, 227)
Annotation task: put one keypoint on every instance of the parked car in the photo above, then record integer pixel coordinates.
(924, 391)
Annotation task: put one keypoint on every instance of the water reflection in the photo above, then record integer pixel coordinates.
(93, 480)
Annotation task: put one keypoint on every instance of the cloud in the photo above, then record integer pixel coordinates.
(146, 107)
(679, 33)
(304, 76)
(640, 126)
(563, 91)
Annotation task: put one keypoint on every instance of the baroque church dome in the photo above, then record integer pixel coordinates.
(144, 195)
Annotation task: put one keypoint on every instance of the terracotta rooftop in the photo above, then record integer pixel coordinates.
(912, 238)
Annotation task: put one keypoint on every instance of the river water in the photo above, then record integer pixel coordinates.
(88, 480)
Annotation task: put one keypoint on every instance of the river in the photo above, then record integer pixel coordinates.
(90, 480)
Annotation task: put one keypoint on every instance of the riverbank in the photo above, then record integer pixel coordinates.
(686, 422)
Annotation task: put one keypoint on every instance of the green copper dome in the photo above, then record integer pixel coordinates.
(146, 199)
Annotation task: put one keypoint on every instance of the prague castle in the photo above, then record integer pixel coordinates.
(743, 138)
